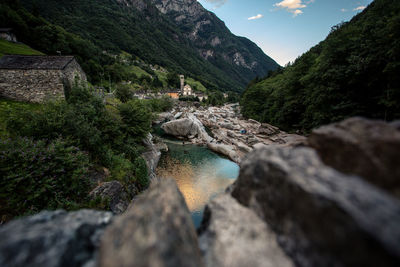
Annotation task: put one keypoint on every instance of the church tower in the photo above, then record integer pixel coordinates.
(182, 78)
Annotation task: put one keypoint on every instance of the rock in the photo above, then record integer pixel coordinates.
(242, 147)
(224, 150)
(370, 149)
(151, 156)
(178, 115)
(227, 125)
(163, 117)
(185, 127)
(322, 217)
(56, 238)
(395, 124)
(157, 230)
(162, 147)
(235, 236)
(267, 129)
(114, 193)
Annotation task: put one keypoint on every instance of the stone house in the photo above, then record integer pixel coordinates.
(187, 90)
(38, 78)
(7, 34)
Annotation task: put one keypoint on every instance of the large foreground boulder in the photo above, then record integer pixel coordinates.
(322, 217)
(156, 230)
(370, 149)
(52, 239)
(186, 127)
(235, 236)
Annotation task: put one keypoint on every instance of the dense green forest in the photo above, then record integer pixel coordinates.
(354, 72)
(95, 31)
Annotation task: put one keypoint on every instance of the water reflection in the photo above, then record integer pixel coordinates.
(199, 173)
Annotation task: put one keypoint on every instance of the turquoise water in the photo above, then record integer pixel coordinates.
(200, 174)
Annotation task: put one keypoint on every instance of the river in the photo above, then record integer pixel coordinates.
(200, 174)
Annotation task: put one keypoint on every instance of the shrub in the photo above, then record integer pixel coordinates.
(35, 176)
(160, 104)
(136, 118)
(124, 93)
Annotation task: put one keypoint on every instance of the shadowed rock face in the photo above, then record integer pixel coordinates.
(370, 149)
(237, 237)
(156, 230)
(114, 193)
(53, 238)
(323, 217)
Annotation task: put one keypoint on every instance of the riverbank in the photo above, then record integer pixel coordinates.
(224, 130)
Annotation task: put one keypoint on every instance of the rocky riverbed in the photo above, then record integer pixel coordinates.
(228, 133)
(334, 201)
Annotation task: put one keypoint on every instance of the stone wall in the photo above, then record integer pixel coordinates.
(31, 85)
(39, 85)
(73, 73)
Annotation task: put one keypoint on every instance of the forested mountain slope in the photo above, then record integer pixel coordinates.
(143, 28)
(355, 71)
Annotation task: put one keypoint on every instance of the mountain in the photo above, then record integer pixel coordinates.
(213, 40)
(179, 35)
(354, 72)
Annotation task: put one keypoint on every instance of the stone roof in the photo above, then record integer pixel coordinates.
(35, 62)
(3, 30)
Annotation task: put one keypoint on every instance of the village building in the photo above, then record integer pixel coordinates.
(187, 90)
(174, 94)
(38, 78)
(7, 34)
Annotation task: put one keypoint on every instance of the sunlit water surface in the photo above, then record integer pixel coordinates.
(200, 174)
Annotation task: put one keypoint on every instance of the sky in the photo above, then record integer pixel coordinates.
(284, 29)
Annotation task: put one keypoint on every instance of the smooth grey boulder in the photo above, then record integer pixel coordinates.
(225, 150)
(322, 217)
(235, 236)
(368, 148)
(186, 127)
(157, 230)
(55, 238)
(163, 117)
(113, 192)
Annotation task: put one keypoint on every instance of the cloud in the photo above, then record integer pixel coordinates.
(359, 8)
(293, 6)
(297, 12)
(344, 10)
(259, 16)
(290, 4)
(216, 3)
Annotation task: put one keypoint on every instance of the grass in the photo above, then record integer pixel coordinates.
(198, 86)
(9, 48)
(138, 71)
(6, 107)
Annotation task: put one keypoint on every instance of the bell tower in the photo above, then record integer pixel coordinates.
(182, 78)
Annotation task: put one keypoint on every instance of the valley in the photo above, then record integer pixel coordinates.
(146, 133)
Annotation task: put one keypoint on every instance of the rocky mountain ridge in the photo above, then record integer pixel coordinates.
(181, 36)
(211, 36)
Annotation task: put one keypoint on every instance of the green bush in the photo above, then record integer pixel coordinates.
(111, 138)
(160, 104)
(36, 175)
(124, 93)
(136, 118)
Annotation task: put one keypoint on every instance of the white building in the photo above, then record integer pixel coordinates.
(187, 90)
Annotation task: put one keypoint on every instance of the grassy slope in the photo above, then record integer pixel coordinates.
(9, 48)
